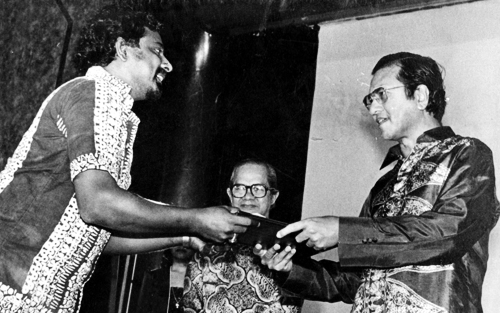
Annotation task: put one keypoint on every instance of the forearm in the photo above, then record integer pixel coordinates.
(101, 202)
(395, 242)
(123, 245)
(321, 281)
(104, 204)
(439, 222)
(129, 213)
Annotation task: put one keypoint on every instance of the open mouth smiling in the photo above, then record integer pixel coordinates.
(160, 76)
(381, 120)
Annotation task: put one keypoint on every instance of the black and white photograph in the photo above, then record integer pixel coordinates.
(249, 156)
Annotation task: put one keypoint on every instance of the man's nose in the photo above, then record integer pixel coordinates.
(375, 108)
(249, 194)
(165, 64)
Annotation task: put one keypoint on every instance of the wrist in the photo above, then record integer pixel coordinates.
(192, 221)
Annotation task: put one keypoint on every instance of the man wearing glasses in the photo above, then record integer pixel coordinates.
(230, 278)
(421, 241)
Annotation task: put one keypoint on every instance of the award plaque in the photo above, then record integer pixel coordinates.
(265, 234)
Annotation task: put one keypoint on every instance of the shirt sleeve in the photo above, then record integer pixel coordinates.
(77, 119)
(321, 281)
(465, 210)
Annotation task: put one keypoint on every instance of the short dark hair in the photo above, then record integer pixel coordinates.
(272, 179)
(415, 70)
(96, 45)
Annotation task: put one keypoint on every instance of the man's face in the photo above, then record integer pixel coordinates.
(248, 175)
(397, 118)
(148, 67)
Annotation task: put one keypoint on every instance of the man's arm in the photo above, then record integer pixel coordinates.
(320, 233)
(124, 245)
(310, 279)
(465, 210)
(103, 203)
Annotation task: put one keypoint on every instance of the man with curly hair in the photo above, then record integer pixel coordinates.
(420, 243)
(63, 198)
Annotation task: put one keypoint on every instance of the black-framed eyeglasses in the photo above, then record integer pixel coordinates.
(257, 190)
(379, 95)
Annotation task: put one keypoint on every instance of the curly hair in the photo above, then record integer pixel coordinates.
(415, 70)
(96, 45)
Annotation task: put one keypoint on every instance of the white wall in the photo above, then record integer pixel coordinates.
(345, 150)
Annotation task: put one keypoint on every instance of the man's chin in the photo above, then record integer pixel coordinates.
(250, 209)
(153, 95)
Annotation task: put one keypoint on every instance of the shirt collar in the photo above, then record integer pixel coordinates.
(438, 133)
(119, 86)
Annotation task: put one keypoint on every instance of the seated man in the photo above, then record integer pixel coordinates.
(230, 278)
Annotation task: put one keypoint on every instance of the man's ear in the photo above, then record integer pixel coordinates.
(274, 197)
(422, 96)
(121, 49)
(228, 191)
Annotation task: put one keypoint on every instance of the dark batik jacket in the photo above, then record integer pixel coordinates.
(421, 241)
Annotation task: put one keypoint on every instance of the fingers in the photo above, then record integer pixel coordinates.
(246, 221)
(310, 236)
(283, 260)
(241, 220)
(278, 261)
(196, 244)
(272, 252)
(291, 228)
(258, 250)
(233, 210)
(239, 229)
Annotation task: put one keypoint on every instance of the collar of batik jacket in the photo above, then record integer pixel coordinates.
(119, 86)
(438, 133)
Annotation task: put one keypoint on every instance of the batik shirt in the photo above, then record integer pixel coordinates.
(231, 279)
(47, 251)
(421, 242)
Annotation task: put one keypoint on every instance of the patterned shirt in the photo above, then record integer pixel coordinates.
(421, 242)
(231, 279)
(48, 252)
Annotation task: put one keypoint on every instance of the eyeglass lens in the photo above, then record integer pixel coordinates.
(378, 95)
(257, 190)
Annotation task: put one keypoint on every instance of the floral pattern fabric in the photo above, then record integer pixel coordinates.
(231, 279)
(48, 252)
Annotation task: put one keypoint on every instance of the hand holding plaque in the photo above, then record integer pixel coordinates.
(264, 233)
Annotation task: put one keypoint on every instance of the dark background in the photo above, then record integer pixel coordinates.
(251, 98)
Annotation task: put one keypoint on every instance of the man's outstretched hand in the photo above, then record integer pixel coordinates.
(220, 223)
(320, 233)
